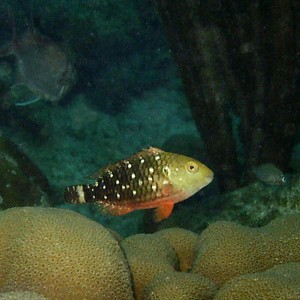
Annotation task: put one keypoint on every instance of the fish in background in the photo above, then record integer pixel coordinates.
(151, 178)
(269, 174)
(41, 66)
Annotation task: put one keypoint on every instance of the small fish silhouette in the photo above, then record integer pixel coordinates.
(41, 66)
(269, 174)
(151, 178)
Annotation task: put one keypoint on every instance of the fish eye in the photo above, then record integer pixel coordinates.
(283, 179)
(192, 167)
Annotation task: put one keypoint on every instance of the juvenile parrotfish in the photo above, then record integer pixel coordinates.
(269, 174)
(151, 178)
(41, 66)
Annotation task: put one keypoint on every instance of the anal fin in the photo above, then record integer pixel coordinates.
(113, 209)
(163, 211)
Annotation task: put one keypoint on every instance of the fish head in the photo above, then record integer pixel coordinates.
(188, 175)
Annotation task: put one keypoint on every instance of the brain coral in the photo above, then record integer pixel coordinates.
(183, 242)
(227, 250)
(148, 255)
(25, 295)
(61, 255)
(178, 286)
(280, 282)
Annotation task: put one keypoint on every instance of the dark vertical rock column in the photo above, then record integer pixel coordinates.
(282, 97)
(239, 58)
(200, 56)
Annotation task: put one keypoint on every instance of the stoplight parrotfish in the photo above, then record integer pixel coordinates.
(151, 178)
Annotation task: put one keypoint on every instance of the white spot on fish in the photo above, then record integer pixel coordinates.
(132, 175)
(80, 192)
(104, 187)
(118, 195)
(154, 187)
(166, 182)
(117, 181)
(123, 187)
(150, 178)
(140, 182)
(151, 170)
(127, 186)
(111, 175)
(96, 183)
(129, 166)
(94, 197)
(133, 193)
(105, 197)
(157, 157)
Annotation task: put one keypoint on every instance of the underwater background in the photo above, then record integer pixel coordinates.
(84, 84)
(231, 100)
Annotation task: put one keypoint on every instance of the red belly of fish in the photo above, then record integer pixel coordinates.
(164, 206)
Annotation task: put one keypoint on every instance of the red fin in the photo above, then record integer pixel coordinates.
(115, 210)
(163, 211)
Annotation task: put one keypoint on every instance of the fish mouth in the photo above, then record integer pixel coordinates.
(208, 179)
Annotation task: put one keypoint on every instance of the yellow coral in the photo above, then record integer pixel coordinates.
(279, 282)
(227, 250)
(21, 296)
(61, 255)
(184, 243)
(178, 286)
(148, 255)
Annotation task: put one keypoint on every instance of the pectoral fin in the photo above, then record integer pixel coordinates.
(163, 211)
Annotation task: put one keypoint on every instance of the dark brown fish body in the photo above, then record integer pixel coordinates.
(41, 65)
(148, 179)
